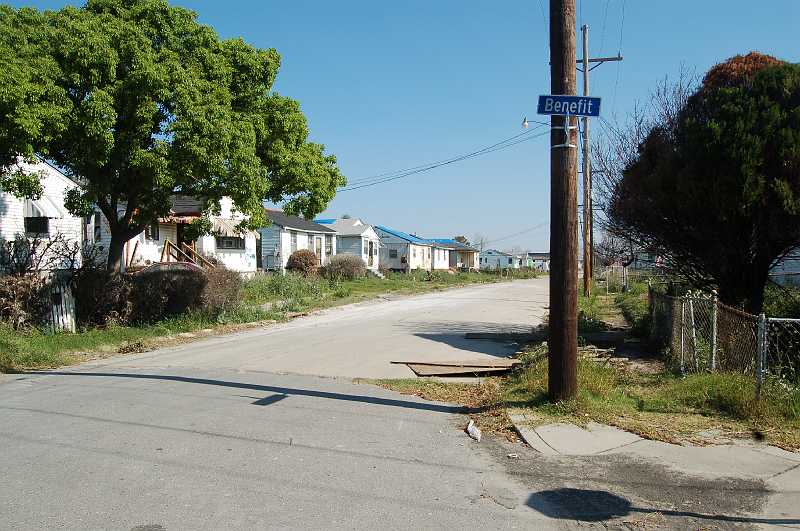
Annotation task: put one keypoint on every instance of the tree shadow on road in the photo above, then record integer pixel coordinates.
(282, 392)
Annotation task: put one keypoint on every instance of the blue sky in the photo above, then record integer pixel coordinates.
(389, 85)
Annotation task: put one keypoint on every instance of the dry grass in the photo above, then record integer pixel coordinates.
(698, 408)
(483, 401)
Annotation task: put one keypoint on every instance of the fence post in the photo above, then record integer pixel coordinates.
(714, 302)
(683, 314)
(761, 343)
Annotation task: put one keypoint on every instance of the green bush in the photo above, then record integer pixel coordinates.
(782, 301)
(344, 267)
(302, 261)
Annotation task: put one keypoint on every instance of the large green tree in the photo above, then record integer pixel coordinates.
(717, 190)
(138, 101)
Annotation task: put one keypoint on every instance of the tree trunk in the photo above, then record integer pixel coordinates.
(115, 252)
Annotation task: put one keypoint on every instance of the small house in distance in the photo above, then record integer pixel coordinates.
(494, 259)
(539, 261)
(289, 233)
(401, 251)
(461, 255)
(355, 238)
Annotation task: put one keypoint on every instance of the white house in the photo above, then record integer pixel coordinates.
(539, 261)
(356, 238)
(401, 251)
(167, 240)
(287, 234)
(42, 217)
(462, 256)
(494, 259)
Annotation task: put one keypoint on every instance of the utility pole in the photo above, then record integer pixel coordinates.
(588, 213)
(587, 176)
(563, 338)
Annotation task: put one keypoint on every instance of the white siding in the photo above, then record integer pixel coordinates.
(441, 258)
(55, 185)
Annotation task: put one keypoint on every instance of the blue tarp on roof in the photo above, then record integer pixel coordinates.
(404, 235)
(325, 221)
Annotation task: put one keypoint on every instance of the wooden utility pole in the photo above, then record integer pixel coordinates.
(563, 340)
(588, 213)
(587, 176)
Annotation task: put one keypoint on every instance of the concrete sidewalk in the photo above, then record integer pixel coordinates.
(778, 469)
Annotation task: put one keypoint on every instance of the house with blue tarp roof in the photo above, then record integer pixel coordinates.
(401, 251)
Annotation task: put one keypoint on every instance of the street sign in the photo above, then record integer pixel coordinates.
(569, 105)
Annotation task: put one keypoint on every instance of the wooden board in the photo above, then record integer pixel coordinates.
(498, 363)
(439, 370)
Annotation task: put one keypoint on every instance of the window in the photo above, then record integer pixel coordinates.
(414, 252)
(365, 248)
(39, 225)
(328, 245)
(392, 253)
(36, 223)
(510, 261)
(294, 240)
(151, 232)
(229, 242)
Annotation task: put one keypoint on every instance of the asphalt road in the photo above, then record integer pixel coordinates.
(209, 436)
(362, 340)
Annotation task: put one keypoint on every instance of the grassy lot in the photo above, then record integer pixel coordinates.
(298, 293)
(661, 406)
(264, 298)
(36, 349)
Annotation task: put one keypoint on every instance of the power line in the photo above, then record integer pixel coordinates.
(420, 169)
(395, 172)
(525, 231)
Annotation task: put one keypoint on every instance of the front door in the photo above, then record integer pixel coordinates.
(318, 249)
(370, 254)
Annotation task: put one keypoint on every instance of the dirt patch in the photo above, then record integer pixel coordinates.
(482, 400)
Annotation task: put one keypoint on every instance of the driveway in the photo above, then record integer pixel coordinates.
(362, 340)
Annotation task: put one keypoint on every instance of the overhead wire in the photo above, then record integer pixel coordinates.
(524, 231)
(387, 174)
(400, 174)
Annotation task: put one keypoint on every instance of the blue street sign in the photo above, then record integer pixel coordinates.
(569, 105)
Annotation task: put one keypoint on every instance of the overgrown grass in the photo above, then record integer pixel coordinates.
(661, 406)
(633, 305)
(782, 301)
(298, 293)
(37, 349)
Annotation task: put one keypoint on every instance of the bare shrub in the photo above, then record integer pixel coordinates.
(344, 267)
(24, 255)
(302, 261)
(222, 290)
(24, 300)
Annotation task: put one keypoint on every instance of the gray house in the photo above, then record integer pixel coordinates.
(356, 238)
(287, 234)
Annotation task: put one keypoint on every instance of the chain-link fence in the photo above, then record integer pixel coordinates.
(700, 334)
